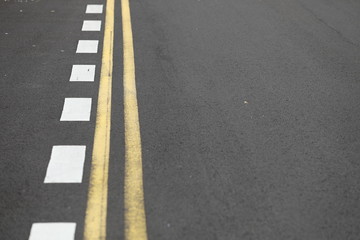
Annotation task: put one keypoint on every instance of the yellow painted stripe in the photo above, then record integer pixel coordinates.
(95, 218)
(135, 223)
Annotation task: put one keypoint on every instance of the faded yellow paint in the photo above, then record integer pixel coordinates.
(96, 211)
(135, 220)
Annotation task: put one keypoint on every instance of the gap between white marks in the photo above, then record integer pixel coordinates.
(66, 164)
(87, 46)
(91, 25)
(82, 73)
(76, 109)
(94, 8)
(53, 231)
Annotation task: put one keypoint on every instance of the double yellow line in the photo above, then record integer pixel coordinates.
(96, 211)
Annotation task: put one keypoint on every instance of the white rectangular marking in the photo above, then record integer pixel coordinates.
(82, 73)
(91, 25)
(76, 109)
(66, 164)
(94, 8)
(52, 231)
(87, 46)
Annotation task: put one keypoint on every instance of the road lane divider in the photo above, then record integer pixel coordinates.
(82, 73)
(53, 230)
(135, 220)
(96, 210)
(87, 46)
(91, 26)
(67, 161)
(76, 109)
(94, 9)
(66, 164)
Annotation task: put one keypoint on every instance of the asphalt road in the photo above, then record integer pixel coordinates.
(249, 114)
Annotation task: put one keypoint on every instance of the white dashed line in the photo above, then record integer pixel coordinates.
(94, 8)
(82, 73)
(67, 161)
(76, 109)
(52, 231)
(91, 25)
(87, 46)
(66, 164)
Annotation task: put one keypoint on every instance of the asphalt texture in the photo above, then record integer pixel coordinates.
(249, 114)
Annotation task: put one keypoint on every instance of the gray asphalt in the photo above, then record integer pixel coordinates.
(249, 113)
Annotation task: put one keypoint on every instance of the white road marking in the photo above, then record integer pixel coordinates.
(91, 25)
(82, 73)
(76, 109)
(87, 46)
(52, 231)
(94, 8)
(66, 164)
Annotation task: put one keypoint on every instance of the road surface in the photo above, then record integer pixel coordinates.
(248, 113)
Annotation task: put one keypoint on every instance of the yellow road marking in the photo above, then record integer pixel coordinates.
(135, 223)
(95, 218)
